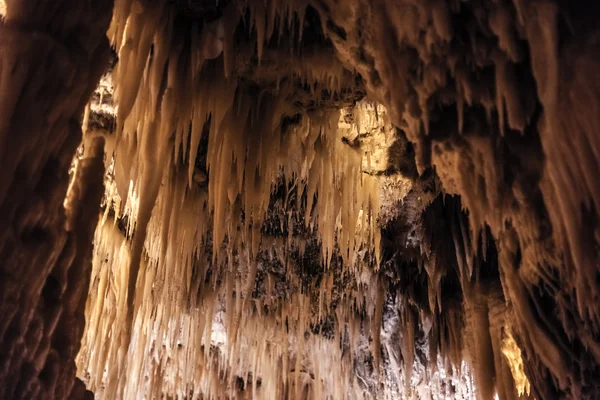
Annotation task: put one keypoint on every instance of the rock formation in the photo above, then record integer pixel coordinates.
(301, 199)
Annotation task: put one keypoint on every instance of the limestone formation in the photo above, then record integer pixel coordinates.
(303, 199)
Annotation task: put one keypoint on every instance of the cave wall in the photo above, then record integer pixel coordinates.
(51, 57)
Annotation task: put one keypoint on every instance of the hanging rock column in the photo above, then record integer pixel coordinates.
(52, 54)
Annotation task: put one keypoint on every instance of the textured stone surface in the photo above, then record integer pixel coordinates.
(473, 90)
(50, 61)
(486, 160)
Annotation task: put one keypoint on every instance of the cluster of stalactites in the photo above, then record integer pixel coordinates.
(528, 76)
(175, 304)
(161, 93)
(193, 339)
(507, 68)
(149, 297)
(477, 329)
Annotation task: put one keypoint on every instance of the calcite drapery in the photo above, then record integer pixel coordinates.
(491, 96)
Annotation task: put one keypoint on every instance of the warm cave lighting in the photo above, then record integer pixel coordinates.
(299, 199)
(512, 352)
